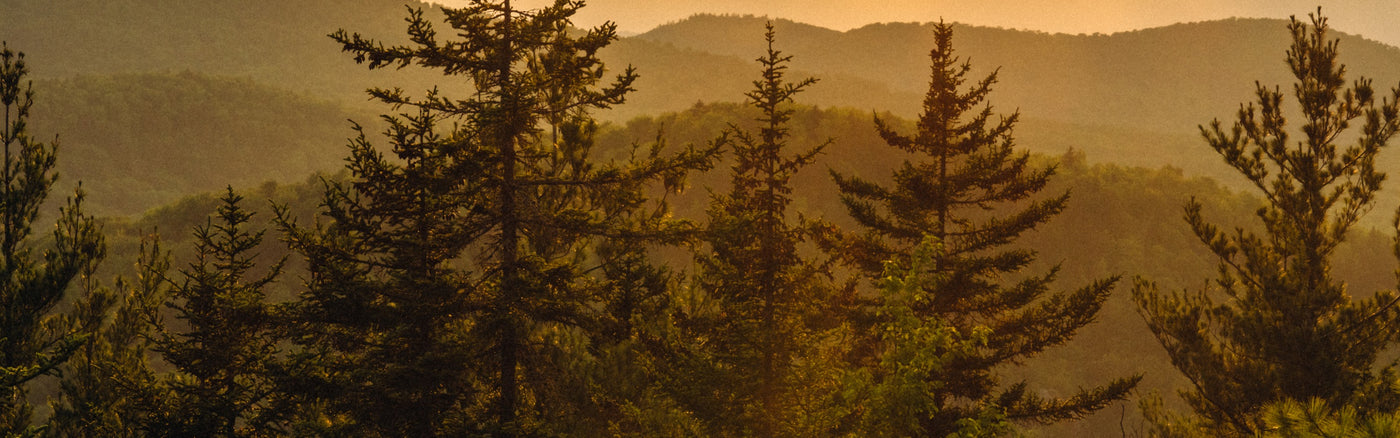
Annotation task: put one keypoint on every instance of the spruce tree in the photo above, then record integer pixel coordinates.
(224, 352)
(452, 288)
(1276, 325)
(379, 323)
(34, 340)
(768, 301)
(967, 187)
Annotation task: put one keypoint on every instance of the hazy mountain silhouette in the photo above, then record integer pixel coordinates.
(1166, 79)
(1132, 97)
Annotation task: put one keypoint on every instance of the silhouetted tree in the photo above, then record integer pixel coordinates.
(223, 350)
(450, 290)
(1275, 325)
(34, 340)
(108, 388)
(764, 324)
(965, 191)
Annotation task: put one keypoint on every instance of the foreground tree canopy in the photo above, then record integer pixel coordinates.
(1276, 326)
(450, 292)
(493, 271)
(34, 339)
(964, 194)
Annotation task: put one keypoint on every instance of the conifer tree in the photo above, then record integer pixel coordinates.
(108, 388)
(224, 353)
(379, 321)
(768, 301)
(1315, 419)
(450, 291)
(1276, 325)
(891, 397)
(969, 190)
(34, 340)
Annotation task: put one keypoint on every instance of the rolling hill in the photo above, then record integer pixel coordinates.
(1162, 79)
(1131, 98)
(141, 140)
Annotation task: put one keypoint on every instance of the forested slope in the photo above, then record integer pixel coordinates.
(1133, 98)
(283, 44)
(141, 140)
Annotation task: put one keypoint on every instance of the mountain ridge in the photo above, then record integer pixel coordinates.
(1165, 79)
(1133, 97)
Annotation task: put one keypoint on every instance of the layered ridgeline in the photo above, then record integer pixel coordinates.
(1164, 79)
(1131, 98)
(141, 140)
(283, 44)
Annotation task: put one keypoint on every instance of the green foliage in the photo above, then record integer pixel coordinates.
(971, 168)
(897, 395)
(1314, 419)
(1277, 325)
(35, 340)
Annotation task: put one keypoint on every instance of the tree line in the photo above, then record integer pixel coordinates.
(490, 272)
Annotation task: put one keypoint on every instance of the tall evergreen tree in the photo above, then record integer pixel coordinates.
(223, 353)
(966, 191)
(34, 340)
(768, 301)
(450, 289)
(379, 322)
(1275, 325)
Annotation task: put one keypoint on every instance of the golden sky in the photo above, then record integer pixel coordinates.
(1374, 19)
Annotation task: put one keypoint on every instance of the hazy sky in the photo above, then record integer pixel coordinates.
(1374, 19)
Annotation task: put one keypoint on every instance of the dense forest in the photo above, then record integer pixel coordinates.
(898, 230)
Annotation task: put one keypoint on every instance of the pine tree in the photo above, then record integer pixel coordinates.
(1315, 419)
(34, 340)
(768, 301)
(967, 192)
(451, 288)
(108, 388)
(1275, 325)
(224, 353)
